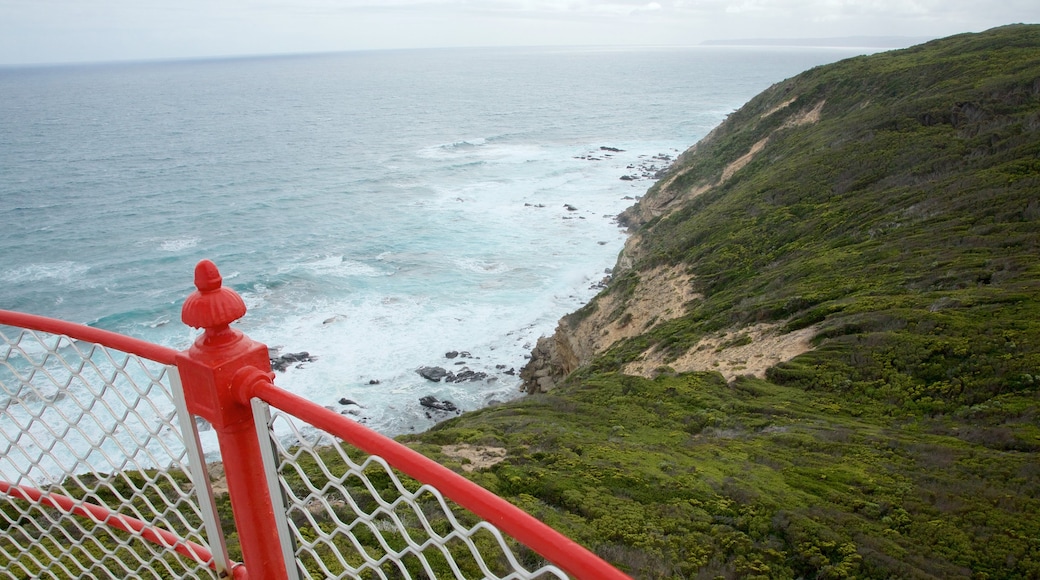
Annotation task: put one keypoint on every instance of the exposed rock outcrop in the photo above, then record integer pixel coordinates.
(281, 363)
(434, 374)
(548, 366)
(465, 375)
(431, 402)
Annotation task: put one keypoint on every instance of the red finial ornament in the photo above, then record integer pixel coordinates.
(213, 306)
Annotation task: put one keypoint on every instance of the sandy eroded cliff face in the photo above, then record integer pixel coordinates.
(661, 294)
(657, 295)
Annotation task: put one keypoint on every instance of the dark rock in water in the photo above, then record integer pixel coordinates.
(346, 401)
(280, 363)
(451, 354)
(431, 402)
(648, 169)
(373, 381)
(434, 374)
(466, 376)
(570, 207)
(613, 149)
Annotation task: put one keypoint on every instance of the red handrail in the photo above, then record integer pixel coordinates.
(220, 374)
(554, 546)
(119, 521)
(157, 353)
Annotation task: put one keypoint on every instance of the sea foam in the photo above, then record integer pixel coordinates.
(377, 211)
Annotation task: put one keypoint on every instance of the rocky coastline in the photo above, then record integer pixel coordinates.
(550, 359)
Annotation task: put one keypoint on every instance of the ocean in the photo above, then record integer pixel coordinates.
(378, 210)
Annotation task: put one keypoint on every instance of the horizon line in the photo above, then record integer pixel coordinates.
(843, 42)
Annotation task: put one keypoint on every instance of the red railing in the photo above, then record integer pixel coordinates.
(221, 375)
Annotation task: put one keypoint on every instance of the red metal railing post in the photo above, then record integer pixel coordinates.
(206, 370)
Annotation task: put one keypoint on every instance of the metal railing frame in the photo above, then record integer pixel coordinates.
(223, 378)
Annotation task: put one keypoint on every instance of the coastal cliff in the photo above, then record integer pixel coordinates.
(818, 355)
(802, 165)
(644, 294)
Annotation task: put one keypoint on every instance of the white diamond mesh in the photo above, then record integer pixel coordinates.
(352, 515)
(90, 441)
(98, 427)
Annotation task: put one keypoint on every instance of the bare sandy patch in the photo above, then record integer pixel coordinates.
(743, 160)
(778, 107)
(217, 479)
(478, 457)
(661, 294)
(668, 199)
(727, 172)
(750, 351)
(805, 118)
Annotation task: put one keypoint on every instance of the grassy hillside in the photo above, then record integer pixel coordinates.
(890, 203)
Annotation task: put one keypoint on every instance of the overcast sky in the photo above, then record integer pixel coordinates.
(54, 31)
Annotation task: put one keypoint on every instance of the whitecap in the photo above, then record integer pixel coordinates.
(444, 150)
(256, 297)
(157, 322)
(465, 144)
(481, 266)
(341, 267)
(178, 244)
(53, 272)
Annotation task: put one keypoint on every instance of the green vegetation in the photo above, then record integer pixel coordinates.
(338, 540)
(688, 476)
(903, 225)
(329, 496)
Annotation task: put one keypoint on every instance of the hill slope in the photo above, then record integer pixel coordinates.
(819, 354)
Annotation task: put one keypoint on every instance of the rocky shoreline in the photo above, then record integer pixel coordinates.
(433, 408)
(543, 369)
(648, 168)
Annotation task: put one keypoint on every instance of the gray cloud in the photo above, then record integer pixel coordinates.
(33, 31)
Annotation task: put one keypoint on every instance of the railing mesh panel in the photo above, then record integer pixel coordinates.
(83, 426)
(353, 516)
